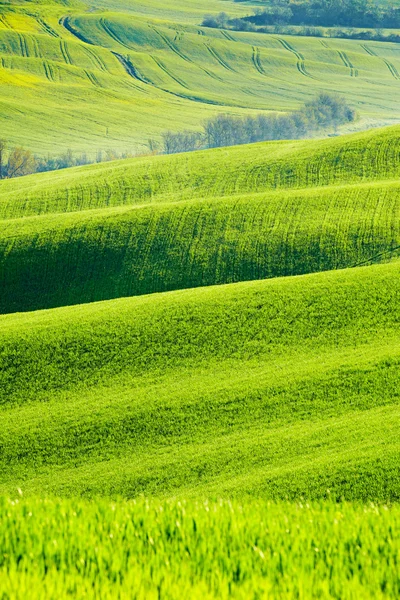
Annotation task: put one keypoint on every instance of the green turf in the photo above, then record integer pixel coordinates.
(63, 84)
(194, 550)
(285, 387)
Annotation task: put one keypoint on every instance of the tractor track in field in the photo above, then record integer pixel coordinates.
(23, 45)
(7, 25)
(227, 35)
(347, 63)
(96, 59)
(393, 71)
(93, 79)
(256, 58)
(171, 45)
(36, 47)
(217, 57)
(167, 72)
(46, 27)
(301, 65)
(107, 28)
(368, 50)
(65, 52)
(48, 71)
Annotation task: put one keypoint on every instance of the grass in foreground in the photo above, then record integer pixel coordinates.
(150, 550)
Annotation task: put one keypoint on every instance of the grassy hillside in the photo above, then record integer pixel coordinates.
(113, 79)
(287, 387)
(58, 260)
(185, 221)
(367, 156)
(171, 550)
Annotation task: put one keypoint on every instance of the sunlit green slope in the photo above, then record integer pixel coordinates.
(280, 387)
(186, 221)
(72, 76)
(368, 156)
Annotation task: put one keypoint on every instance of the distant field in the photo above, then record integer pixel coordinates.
(151, 550)
(166, 223)
(90, 80)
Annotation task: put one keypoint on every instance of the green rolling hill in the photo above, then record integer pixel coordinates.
(163, 223)
(287, 388)
(115, 78)
(199, 353)
(284, 385)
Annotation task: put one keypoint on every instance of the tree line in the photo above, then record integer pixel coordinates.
(18, 161)
(323, 13)
(324, 112)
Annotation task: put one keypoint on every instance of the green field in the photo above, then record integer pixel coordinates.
(84, 78)
(199, 353)
(103, 232)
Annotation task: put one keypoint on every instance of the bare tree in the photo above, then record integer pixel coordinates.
(3, 147)
(20, 162)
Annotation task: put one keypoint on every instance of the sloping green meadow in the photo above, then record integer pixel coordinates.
(280, 388)
(82, 77)
(165, 223)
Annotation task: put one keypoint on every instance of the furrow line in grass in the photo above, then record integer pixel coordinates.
(167, 72)
(65, 52)
(96, 59)
(46, 27)
(217, 57)
(301, 65)
(112, 34)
